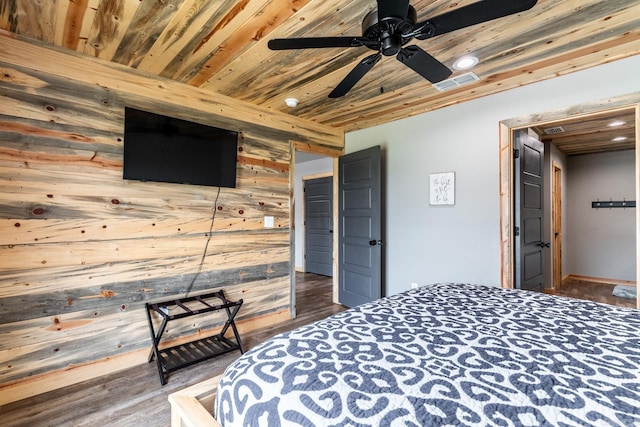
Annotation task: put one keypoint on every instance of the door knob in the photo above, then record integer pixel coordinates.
(544, 244)
(373, 242)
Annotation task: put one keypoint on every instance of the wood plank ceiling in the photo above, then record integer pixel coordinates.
(607, 131)
(221, 46)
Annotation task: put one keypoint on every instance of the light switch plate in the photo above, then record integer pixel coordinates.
(268, 222)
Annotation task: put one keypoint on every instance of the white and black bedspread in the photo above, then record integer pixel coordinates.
(445, 355)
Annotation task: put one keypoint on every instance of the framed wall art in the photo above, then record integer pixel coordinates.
(442, 188)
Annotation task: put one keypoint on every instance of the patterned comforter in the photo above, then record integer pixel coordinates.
(445, 354)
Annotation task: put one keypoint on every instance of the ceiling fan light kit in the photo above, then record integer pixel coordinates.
(393, 24)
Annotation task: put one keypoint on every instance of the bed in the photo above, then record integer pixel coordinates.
(445, 354)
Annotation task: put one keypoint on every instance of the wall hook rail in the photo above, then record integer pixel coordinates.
(613, 204)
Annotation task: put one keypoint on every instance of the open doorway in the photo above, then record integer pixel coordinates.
(308, 168)
(317, 221)
(357, 213)
(591, 159)
(314, 201)
(586, 113)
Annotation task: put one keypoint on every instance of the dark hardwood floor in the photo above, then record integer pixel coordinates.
(599, 292)
(134, 397)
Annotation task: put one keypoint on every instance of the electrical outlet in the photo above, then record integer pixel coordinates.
(269, 222)
(414, 285)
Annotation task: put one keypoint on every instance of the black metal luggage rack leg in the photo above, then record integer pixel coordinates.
(183, 355)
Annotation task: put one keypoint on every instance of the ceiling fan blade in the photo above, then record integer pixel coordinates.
(466, 16)
(316, 42)
(393, 8)
(423, 63)
(355, 75)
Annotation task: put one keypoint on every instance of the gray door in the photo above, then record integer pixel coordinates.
(529, 211)
(360, 235)
(318, 226)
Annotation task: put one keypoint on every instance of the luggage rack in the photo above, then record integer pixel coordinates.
(180, 356)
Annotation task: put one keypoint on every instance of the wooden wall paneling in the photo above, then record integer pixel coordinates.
(151, 277)
(241, 251)
(50, 204)
(61, 230)
(49, 133)
(20, 305)
(75, 341)
(41, 383)
(33, 95)
(45, 255)
(130, 197)
(140, 90)
(41, 357)
(82, 250)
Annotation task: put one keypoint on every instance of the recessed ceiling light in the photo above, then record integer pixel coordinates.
(619, 138)
(465, 62)
(617, 123)
(291, 102)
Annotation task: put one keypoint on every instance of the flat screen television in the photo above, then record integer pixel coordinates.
(166, 149)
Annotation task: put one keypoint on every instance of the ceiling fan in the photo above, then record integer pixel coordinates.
(393, 24)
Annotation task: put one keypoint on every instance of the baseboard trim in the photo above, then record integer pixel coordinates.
(600, 280)
(38, 384)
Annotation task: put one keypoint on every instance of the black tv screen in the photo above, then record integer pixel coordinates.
(165, 149)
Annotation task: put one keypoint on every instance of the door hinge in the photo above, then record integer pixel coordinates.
(516, 153)
(516, 231)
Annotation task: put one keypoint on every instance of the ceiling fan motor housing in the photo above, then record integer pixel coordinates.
(391, 32)
(389, 27)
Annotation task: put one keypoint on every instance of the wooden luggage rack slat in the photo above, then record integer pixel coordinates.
(183, 355)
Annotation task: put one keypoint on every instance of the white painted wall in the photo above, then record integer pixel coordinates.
(601, 242)
(304, 169)
(461, 243)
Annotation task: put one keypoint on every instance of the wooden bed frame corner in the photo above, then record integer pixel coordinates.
(188, 406)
